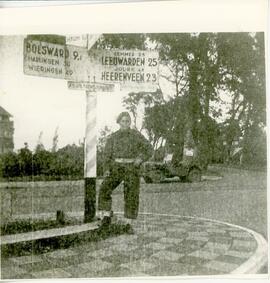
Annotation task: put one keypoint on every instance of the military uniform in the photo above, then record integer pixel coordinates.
(121, 150)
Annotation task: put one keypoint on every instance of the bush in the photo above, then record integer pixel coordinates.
(255, 148)
(30, 225)
(66, 163)
(10, 165)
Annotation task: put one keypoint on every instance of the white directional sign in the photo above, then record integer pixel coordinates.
(91, 87)
(83, 40)
(77, 39)
(133, 69)
(44, 59)
(78, 66)
(56, 61)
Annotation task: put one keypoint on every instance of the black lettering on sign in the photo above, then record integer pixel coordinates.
(50, 50)
(44, 69)
(76, 56)
(41, 48)
(69, 72)
(151, 77)
(28, 47)
(152, 62)
(123, 61)
(61, 53)
(154, 78)
(67, 63)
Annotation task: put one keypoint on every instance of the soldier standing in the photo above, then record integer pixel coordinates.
(125, 151)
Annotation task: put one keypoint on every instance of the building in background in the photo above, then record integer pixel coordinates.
(6, 131)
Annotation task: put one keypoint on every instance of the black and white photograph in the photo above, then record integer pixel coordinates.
(133, 154)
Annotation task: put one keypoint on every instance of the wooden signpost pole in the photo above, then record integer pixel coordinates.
(90, 158)
(90, 152)
(90, 142)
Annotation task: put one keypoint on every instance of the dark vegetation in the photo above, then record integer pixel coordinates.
(62, 242)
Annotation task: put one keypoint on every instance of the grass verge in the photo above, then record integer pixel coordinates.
(30, 225)
(62, 242)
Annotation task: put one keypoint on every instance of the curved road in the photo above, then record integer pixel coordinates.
(240, 198)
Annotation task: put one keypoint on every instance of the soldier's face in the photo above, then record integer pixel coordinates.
(124, 123)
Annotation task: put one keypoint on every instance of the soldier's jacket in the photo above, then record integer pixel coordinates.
(126, 144)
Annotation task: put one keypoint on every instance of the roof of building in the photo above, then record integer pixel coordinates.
(4, 112)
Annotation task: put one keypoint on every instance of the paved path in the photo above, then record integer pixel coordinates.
(162, 245)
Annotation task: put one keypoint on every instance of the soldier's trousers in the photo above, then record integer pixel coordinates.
(130, 175)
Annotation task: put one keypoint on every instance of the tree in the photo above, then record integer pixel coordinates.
(10, 165)
(42, 162)
(55, 140)
(134, 100)
(203, 65)
(191, 64)
(25, 161)
(166, 125)
(243, 59)
(39, 145)
(255, 147)
(69, 161)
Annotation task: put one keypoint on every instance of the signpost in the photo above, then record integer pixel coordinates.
(82, 40)
(90, 150)
(78, 65)
(77, 40)
(44, 59)
(93, 71)
(133, 69)
(92, 87)
(90, 144)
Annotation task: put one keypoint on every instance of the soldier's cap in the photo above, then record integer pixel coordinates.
(121, 115)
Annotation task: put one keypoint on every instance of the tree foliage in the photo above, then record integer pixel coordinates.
(203, 67)
(67, 162)
(134, 100)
